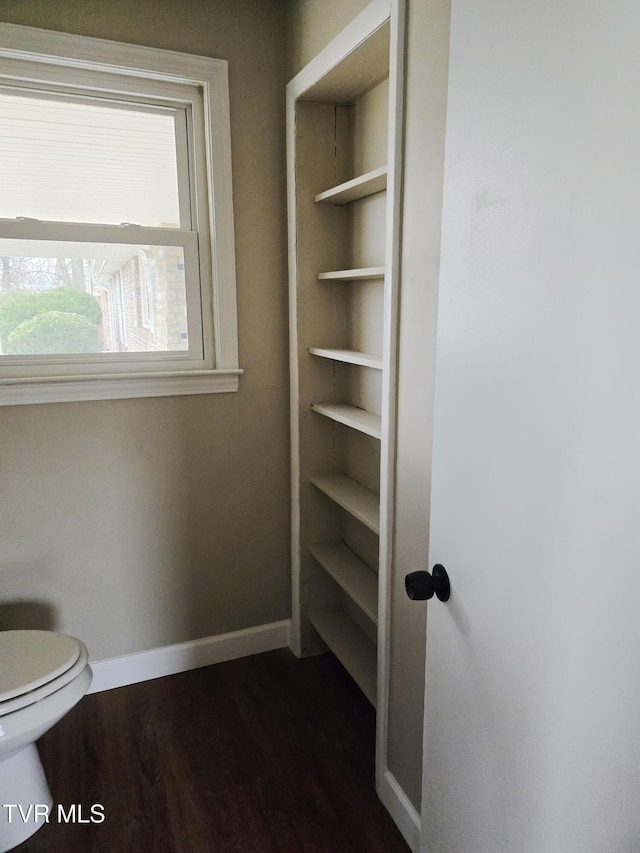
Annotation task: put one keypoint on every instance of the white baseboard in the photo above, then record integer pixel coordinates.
(143, 666)
(401, 810)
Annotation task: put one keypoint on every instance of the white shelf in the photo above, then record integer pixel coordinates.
(350, 645)
(355, 577)
(361, 359)
(357, 188)
(363, 274)
(351, 416)
(361, 65)
(352, 496)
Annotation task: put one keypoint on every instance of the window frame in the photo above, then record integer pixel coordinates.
(40, 58)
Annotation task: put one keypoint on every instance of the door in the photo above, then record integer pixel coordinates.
(532, 734)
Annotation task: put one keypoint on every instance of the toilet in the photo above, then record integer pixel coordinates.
(42, 676)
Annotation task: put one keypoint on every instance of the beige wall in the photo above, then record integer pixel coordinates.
(312, 24)
(139, 523)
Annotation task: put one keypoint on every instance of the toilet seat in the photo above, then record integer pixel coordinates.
(34, 664)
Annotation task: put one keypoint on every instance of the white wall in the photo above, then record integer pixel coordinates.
(140, 523)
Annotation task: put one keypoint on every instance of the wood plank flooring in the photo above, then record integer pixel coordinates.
(267, 754)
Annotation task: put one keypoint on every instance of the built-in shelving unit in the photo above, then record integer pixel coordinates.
(343, 132)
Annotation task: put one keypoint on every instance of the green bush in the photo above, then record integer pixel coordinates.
(19, 306)
(53, 332)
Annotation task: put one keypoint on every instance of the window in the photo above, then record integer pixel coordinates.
(117, 269)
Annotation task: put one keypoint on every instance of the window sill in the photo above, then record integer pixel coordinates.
(72, 389)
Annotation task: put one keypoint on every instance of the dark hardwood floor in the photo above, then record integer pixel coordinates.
(263, 754)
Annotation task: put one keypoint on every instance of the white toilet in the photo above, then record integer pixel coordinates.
(42, 676)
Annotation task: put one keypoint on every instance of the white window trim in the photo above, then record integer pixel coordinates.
(78, 53)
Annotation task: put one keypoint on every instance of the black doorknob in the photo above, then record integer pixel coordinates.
(422, 585)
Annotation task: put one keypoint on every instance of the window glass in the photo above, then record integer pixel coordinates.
(91, 298)
(78, 160)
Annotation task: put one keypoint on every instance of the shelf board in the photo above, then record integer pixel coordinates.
(350, 645)
(352, 496)
(363, 274)
(361, 64)
(361, 359)
(357, 188)
(355, 577)
(351, 416)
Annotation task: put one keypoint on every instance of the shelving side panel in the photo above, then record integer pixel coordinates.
(364, 316)
(361, 458)
(369, 126)
(364, 543)
(364, 388)
(389, 383)
(367, 227)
